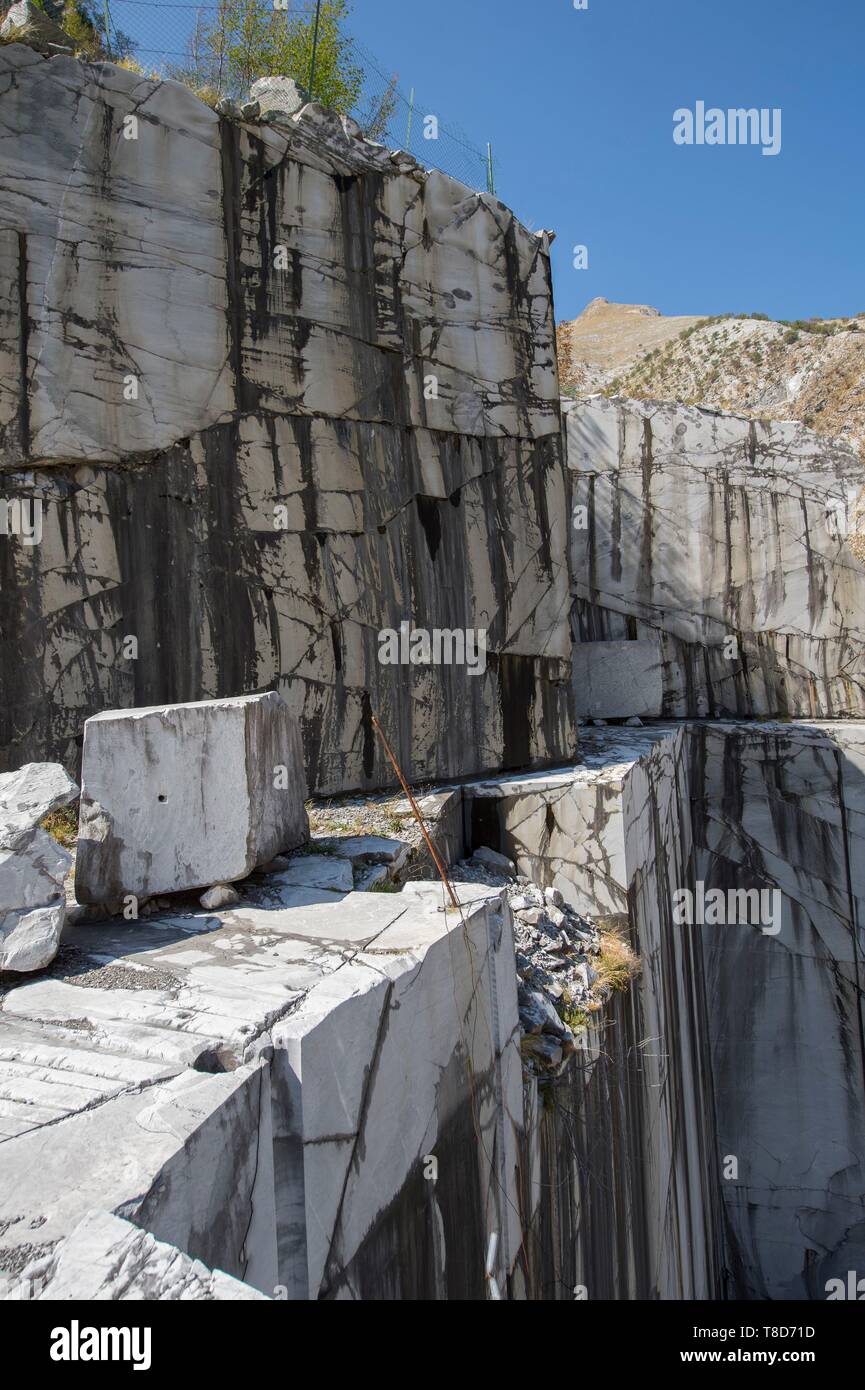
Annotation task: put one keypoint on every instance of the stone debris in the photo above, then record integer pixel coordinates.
(341, 863)
(544, 1050)
(30, 793)
(391, 820)
(498, 863)
(369, 879)
(184, 796)
(539, 1015)
(33, 866)
(220, 895)
(555, 977)
(275, 865)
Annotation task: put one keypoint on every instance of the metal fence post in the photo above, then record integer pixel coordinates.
(491, 185)
(410, 115)
(107, 23)
(314, 47)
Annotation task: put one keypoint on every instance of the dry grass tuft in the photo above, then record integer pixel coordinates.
(616, 965)
(62, 825)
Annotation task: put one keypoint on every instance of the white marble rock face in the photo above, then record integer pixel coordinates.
(615, 680)
(724, 541)
(463, 534)
(33, 866)
(346, 417)
(196, 302)
(186, 796)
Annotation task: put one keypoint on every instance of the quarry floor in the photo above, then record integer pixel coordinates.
(107, 1054)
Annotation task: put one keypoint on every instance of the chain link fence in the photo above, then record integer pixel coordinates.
(168, 37)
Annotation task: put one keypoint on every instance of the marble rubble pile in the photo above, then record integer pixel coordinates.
(554, 945)
(374, 860)
(33, 866)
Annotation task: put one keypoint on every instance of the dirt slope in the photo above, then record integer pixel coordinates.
(813, 372)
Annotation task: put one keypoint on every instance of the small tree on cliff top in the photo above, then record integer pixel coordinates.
(248, 39)
(338, 79)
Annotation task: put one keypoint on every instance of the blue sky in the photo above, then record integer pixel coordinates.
(579, 104)
(579, 108)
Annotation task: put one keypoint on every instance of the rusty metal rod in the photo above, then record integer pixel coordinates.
(416, 809)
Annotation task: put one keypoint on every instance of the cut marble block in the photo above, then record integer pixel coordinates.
(614, 680)
(32, 866)
(260, 1088)
(184, 796)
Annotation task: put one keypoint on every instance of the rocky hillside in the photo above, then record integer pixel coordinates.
(810, 371)
(608, 339)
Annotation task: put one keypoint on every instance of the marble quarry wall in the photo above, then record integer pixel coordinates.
(619, 1206)
(274, 391)
(711, 571)
(733, 1070)
(269, 394)
(785, 1013)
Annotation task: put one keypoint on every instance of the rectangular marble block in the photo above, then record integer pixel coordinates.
(183, 796)
(616, 680)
